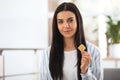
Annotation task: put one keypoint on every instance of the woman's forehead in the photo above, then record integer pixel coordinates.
(65, 14)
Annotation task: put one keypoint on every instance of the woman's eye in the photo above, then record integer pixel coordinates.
(70, 20)
(59, 21)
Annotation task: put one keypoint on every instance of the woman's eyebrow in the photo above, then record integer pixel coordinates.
(67, 18)
(59, 19)
(70, 17)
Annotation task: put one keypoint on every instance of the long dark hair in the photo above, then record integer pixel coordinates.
(57, 46)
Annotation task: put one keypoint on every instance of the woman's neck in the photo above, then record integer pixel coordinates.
(69, 44)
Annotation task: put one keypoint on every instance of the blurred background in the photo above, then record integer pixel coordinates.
(25, 31)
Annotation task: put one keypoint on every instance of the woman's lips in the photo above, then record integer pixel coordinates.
(67, 31)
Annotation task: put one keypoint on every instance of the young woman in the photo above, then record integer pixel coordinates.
(63, 60)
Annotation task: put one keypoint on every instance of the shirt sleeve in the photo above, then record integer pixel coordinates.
(44, 66)
(95, 71)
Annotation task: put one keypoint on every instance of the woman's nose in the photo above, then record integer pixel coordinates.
(67, 25)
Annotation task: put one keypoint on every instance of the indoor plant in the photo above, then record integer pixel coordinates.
(113, 35)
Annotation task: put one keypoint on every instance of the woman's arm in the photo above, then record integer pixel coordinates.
(44, 66)
(95, 70)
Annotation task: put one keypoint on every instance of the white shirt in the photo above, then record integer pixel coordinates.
(70, 65)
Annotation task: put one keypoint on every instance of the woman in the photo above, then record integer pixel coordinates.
(63, 60)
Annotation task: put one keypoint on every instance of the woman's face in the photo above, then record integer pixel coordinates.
(67, 25)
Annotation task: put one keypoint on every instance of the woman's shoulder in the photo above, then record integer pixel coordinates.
(46, 51)
(91, 47)
(47, 48)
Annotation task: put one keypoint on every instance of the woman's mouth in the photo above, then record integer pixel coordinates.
(67, 31)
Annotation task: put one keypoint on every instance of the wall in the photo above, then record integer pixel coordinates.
(23, 24)
(23, 29)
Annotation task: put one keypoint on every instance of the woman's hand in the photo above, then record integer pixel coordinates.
(85, 61)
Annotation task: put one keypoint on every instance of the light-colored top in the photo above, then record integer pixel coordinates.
(70, 65)
(95, 71)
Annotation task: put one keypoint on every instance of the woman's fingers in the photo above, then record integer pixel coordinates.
(85, 61)
(87, 56)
